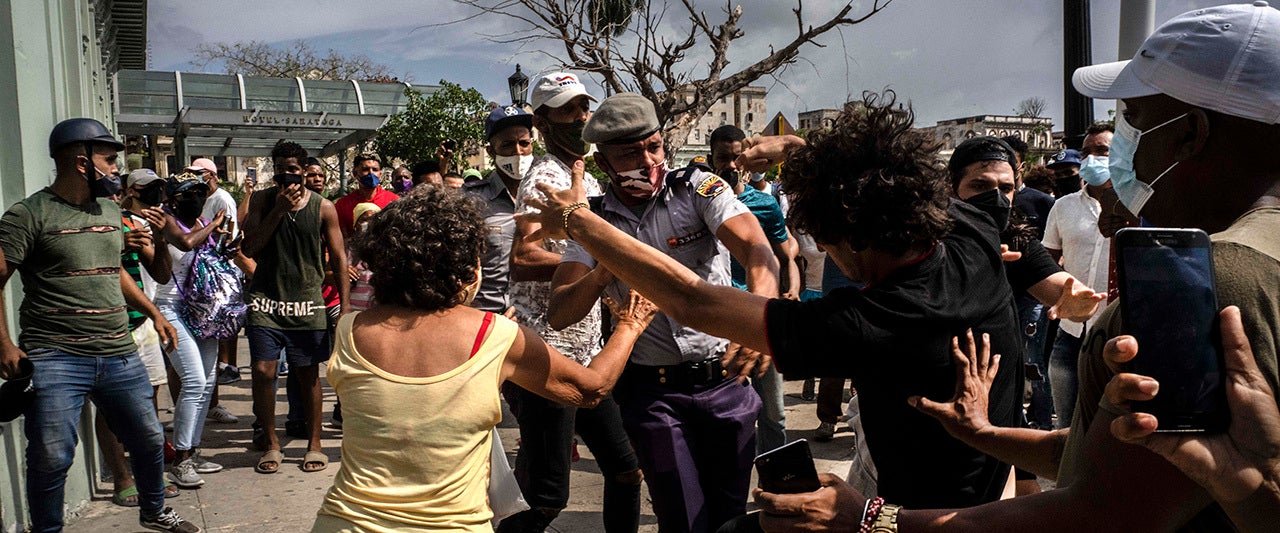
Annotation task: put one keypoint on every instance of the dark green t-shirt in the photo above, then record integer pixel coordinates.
(69, 259)
(286, 289)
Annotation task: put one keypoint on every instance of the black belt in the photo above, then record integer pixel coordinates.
(688, 374)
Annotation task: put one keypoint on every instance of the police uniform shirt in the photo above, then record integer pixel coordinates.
(500, 230)
(681, 221)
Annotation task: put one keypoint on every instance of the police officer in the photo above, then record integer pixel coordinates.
(691, 421)
(510, 136)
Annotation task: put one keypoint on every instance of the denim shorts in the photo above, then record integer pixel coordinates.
(300, 347)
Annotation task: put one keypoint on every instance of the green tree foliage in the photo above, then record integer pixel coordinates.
(450, 113)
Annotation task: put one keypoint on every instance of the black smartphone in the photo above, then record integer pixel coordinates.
(1169, 304)
(251, 175)
(788, 469)
(450, 145)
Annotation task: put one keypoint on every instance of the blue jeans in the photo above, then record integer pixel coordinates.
(120, 388)
(771, 423)
(1062, 372)
(1034, 323)
(195, 362)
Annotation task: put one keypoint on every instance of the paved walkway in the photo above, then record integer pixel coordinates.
(240, 500)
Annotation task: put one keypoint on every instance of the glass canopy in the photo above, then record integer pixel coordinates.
(233, 115)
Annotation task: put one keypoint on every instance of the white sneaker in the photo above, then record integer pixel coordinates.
(204, 466)
(221, 415)
(184, 475)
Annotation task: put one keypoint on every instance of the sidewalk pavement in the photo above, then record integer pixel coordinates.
(240, 500)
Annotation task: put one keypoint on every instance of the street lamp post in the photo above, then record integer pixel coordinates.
(519, 85)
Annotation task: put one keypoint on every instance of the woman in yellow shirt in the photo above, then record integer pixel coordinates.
(419, 373)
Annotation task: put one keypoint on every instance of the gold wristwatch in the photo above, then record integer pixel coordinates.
(887, 520)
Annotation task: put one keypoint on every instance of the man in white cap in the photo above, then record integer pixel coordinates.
(1201, 103)
(561, 107)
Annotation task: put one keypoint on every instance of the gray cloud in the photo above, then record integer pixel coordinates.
(949, 58)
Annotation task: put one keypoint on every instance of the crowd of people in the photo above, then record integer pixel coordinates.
(654, 311)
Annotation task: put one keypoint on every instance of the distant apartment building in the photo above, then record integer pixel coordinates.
(745, 109)
(1037, 132)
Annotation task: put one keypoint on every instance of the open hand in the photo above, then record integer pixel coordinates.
(965, 414)
(834, 507)
(759, 154)
(1231, 466)
(288, 198)
(155, 218)
(638, 311)
(550, 215)
(745, 362)
(1077, 305)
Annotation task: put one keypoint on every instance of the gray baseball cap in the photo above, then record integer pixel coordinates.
(620, 119)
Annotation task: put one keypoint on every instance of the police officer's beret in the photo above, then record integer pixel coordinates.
(620, 119)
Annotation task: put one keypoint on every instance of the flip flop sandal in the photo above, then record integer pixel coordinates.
(171, 490)
(312, 458)
(272, 457)
(122, 498)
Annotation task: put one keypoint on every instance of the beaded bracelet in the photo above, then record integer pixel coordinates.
(568, 210)
(870, 513)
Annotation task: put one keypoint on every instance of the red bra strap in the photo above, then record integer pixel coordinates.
(484, 329)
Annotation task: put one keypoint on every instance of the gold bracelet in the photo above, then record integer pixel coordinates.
(568, 210)
(887, 521)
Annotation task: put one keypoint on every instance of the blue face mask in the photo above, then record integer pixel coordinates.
(1094, 170)
(370, 180)
(1133, 192)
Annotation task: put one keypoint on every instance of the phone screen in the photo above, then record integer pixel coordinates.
(1170, 307)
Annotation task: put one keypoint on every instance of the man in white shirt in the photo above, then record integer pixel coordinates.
(1071, 236)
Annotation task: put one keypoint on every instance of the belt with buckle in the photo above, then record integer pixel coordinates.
(690, 374)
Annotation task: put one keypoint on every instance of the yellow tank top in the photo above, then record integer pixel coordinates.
(415, 451)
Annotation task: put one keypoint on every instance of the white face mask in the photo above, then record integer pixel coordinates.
(514, 166)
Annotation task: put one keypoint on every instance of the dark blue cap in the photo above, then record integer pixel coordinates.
(1066, 157)
(504, 117)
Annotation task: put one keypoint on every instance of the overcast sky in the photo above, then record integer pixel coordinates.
(951, 58)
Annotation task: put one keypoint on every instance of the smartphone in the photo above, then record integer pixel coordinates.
(251, 176)
(788, 469)
(1169, 304)
(450, 145)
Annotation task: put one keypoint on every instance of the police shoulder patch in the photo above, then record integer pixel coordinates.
(711, 186)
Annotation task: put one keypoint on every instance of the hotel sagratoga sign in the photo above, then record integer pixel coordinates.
(286, 119)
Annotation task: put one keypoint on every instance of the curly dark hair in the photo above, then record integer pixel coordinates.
(870, 180)
(423, 248)
(1040, 178)
(286, 149)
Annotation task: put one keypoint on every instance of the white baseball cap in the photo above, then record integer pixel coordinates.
(1224, 58)
(556, 89)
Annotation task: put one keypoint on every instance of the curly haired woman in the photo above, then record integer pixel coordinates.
(419, 371)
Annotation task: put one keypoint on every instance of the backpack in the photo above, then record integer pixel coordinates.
(213, 300)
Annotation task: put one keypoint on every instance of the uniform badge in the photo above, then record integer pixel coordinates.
(712, 186)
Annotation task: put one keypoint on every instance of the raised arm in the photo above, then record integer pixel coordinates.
(575, 289)
(260, 224)
(529, 260)
(190, 240)
(540, 369)
(717, 310)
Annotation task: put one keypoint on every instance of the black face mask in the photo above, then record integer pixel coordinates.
(189, 207)
(1067, 185)
(993, 203)
(288, 179)
(151, 196)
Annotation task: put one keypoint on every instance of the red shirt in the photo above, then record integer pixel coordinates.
(347, 204)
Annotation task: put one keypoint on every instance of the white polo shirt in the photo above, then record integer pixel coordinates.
(1072, 227)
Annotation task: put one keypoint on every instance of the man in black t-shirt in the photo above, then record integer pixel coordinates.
(870, 192)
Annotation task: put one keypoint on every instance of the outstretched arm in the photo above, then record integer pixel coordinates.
(680, 293)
